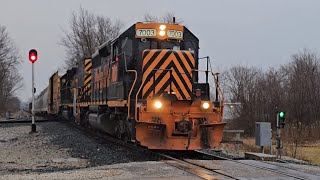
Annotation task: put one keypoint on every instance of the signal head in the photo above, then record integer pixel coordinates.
(281, 114)
(33, 55)
(281, 122)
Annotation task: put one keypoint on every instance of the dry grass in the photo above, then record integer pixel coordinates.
(308, 152)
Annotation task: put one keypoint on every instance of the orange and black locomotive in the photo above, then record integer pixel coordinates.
(144, 87)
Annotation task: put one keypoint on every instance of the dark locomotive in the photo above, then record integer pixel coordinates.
(142, 87)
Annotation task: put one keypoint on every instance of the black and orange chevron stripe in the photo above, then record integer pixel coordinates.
(165, 71)
(87, 76)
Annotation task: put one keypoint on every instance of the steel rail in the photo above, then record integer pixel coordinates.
(257, 166)
(196, 169)
(13, 121)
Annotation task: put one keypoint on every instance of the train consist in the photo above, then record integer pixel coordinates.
(142, 87)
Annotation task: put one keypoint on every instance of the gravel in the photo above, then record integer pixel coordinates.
(133, 170)
(56, 147)
(82, 146)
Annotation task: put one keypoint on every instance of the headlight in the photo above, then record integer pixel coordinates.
(158, 104)
(162, 33)
(205, 105)
(162, 27)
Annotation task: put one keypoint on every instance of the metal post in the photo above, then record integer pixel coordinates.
(207, 71)
(262, 149)
(217, 95)
(154, 83)
(170, 82)
(279, 142)
(271, 143)
(278, 138)
(33, 125)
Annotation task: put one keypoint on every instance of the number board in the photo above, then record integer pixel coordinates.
(175, 34)
(146, 32)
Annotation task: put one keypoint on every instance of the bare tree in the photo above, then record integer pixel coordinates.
(10, 79)
(240, 84)
(13, 104)
(302, 98)
(303, 87)
(87, 32)
(293, 88)
(166, 18)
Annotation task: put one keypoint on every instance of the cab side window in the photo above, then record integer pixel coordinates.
(114, 64)
(115, 52)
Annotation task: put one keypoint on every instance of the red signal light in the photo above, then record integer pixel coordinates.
(33, 55)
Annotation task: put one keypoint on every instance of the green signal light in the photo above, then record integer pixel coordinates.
(281, 114)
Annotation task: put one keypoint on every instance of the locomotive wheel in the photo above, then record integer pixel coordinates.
(119, 129)
(86, 120)
(122, 130)
(126, 136)
(82, 118)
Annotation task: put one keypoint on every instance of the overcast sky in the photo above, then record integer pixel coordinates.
(249, 32)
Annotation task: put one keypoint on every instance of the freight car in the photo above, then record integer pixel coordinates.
(54, 94)
(41, 103)
(48, 101)
(144, 87)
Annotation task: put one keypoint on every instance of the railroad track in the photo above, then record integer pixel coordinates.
(286, 167)
(197, 170)
(278, 169)
(182, 161)
(25, 121)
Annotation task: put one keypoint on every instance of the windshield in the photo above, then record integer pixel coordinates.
(174, 45)
(170, 45)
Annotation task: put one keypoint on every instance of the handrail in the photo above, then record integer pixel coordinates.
(137, 94)
(215, 80)
(218, 88)
(201, 70)
(136, 101)
(134, 82)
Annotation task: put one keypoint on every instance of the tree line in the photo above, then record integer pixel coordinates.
(10, 79)
(88, 30)
(293, 87)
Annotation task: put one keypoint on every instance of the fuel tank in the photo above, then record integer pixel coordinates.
(103, 122)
